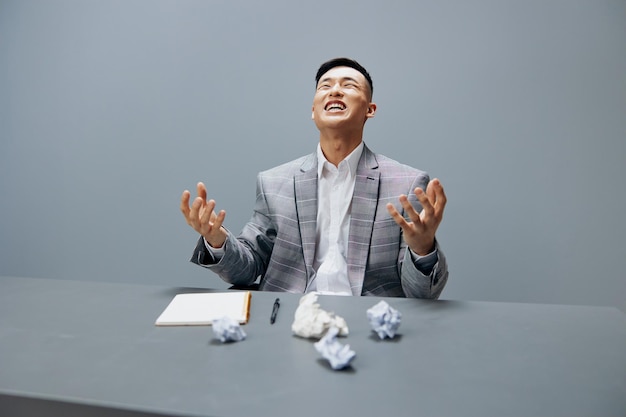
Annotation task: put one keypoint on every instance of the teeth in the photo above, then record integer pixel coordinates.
(335, 106)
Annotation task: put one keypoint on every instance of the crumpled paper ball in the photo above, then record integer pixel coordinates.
(384, 319)
(227, 329)
(339, 356)
(311, 321)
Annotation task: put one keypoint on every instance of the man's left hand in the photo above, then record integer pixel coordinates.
(419, 232)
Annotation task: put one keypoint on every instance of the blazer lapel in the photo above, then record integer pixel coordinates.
(306, 206)
(364, 204)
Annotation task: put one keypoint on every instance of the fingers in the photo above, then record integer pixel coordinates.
(201, 190)
(207, 212)
(210, 221)
(433, 201)
(437, 196)
(184, 204)
(194, 213)
(425, 201)
(401, 221)
(219, 220)
(200, 214)
(413, 215)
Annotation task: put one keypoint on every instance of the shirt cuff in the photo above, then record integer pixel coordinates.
(426, 263)
(216, 253)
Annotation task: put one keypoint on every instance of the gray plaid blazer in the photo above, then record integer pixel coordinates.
(277, 245)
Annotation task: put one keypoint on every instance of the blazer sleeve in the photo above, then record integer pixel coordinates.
(245, 256)
(415, 284)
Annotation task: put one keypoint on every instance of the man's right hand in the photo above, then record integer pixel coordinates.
(202, 218)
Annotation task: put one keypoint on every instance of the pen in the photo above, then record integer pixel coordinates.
(274, 311)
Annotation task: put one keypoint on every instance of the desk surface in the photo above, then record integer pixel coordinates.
(85, 348)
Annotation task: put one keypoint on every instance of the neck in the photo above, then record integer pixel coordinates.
(337, 147)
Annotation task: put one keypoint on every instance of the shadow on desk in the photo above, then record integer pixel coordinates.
(16, 406)
(186, 290)
(253, 287)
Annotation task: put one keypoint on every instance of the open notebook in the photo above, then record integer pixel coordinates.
(199, 309)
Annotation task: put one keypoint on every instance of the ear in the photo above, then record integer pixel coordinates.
(312, 112)
(371, 110)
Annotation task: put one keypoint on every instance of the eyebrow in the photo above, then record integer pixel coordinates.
(341, 79)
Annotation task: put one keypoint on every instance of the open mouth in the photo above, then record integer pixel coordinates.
(335, 106)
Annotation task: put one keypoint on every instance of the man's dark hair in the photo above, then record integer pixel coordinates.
(343, 62)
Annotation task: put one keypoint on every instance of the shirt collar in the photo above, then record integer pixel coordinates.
(352, 159)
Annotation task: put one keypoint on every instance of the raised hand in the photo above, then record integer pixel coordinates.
(202, 218)
(419, 232)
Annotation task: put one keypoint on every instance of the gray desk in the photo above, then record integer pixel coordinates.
(83, 349)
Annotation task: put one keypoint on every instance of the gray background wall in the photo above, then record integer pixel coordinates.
(109, 109)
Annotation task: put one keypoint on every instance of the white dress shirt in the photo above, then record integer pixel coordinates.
(335, 186)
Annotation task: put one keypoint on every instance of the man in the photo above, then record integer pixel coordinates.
(342, 220)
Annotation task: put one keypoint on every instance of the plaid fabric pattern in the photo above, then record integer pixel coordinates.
(277, 245)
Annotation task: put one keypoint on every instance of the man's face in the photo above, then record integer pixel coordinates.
(342, 99)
